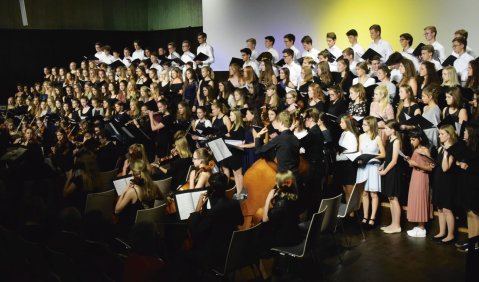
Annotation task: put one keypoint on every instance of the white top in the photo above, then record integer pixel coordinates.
(461, 66)
(411, 57)
(383, 48)
(437, 65)
(206, 49)
(396, 75)
(335, 51)
(158, 67)
(352, 67)
(138, 54)
(348, 141)
(313, 53)
(254, 65)
(100, 55)
(370, 81)
(391, 90)
(294, 72)
(358, 52)
(173, 55)
(127, 61)
(107, 59)
(188, 57)
(439, 52)
(297, 54)
(254, 55)
(274, 53)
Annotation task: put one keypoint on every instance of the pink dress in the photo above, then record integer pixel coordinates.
(419, 201)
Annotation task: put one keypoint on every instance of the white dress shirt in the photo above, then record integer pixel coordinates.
(348, 141)
(370, 81)
(127, 61)
(383, 48)
(313, 53)
(254, 55)
(206, 49)
(335, 51)
(294, 72)
(138, 54)
(297, 54)
(439, 52)
(274, 53)
(461, 64)
(396, 75)
(358, 52)
(411, 57)
(468, 51)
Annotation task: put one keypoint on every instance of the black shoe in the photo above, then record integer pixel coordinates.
(373, 224)
(438, 239)
(460, 244)
(464, 248)
(450, 242)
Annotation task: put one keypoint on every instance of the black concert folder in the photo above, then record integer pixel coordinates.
(201, 57)
(166, 61)
(179, 61)
(417, 51)
(339, 58)
(91, 58)
(419, 121)
(331, 57)
(152, 106)
(117, 63)
(237, 61)
(136, 61)
(369, 54)
(361, 159)
(280, 63)
(449, 61)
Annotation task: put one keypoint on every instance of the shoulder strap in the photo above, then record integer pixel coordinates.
(139, 199)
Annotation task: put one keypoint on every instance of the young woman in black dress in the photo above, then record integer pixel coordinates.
(391, 172)
(444, 180)
(235, 162)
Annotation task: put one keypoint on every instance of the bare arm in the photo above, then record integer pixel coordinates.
(382, 150)
(266, 205)
(394, 159)
(447, 161)
(124, 199)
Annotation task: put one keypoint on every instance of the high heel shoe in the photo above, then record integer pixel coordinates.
(373, 223)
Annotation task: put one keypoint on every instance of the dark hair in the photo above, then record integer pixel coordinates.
(202, 34)
(289, 52)
(307, 39)
(461, 40)
(290, 37)
(376, 27)
(270, 38)
(352, 32)
(247, 51)
(218, 184)
(408, 37)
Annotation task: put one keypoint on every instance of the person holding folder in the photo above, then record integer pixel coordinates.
(205, 49)
(370, 142)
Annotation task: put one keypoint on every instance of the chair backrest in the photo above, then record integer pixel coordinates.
(243, 249)
(313, 231)
(330, 207)
(104, 202)
(164, 185)
(354, 201)
(105, 180)
(154, 215)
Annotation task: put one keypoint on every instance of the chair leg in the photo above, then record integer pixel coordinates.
(348, 243)
(338, 250)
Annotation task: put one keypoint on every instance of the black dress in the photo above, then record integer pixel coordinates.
(220, 126)
(235, 162)
(391, 182)
(468, 184)
(443, 184)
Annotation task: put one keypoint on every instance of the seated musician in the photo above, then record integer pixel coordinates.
(140, 194)
(179, 162)
(211, 229)
(286, 144)
(135, 152)
(203, 163)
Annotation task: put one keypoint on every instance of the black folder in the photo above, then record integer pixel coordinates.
(417, 51)
(201, 57)
(419, 121)
(449, 61)
(369, 54)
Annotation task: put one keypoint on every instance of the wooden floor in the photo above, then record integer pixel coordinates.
(381, 257)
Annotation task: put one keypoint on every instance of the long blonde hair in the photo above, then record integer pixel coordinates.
(373, 126)
(383, 93)
(147, 187)
(238, 120)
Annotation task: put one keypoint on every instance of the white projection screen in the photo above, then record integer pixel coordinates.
(229, 23)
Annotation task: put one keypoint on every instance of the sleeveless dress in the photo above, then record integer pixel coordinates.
(419, 201)
(443, 184)
(220, 126)
(391, 182)
(371, 171)
(434, 116)
(249, 153)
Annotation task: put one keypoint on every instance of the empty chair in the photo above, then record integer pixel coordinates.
(155, 215)
(353, 204)
(330, 207)
(242, 251)
(164, 185)
(309, 245)
(105, 180)
(104, 202)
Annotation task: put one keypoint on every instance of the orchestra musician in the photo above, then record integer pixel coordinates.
(286, 144)
(163, 128)
(203, 163)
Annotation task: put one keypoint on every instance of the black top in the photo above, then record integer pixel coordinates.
(313, 144)
(338, 108)
(409, 111)
(287, 150)
(179, 169)
(220, 126)
(164, 136)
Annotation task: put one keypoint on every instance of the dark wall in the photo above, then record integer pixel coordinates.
(26, 52)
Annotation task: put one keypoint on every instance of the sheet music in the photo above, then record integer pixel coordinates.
(121, 184)
(233, 142)
(352, 156)
(186, 203)
(219, 149)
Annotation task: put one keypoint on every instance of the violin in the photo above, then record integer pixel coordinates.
(198, 171)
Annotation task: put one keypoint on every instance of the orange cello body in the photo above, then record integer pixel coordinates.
(259, 179)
